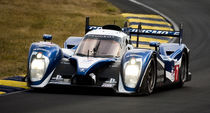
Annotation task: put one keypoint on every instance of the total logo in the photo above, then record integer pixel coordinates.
(59, 78)
(175, 72)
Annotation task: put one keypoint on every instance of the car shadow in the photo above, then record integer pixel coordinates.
(103, 91)
(75, 91)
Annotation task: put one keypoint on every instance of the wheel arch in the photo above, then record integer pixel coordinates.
(146, 56)
(52, 53)
(152, 61)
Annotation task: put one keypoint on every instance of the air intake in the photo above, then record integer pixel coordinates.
(112, 27)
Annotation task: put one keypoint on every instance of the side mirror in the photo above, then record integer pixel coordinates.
(154, 44)
(129, 47)
(47, 37)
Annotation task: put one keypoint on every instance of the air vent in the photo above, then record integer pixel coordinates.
(70, 46)
(169, 52)
(112, 27)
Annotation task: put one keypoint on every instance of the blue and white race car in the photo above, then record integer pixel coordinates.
(105, 58)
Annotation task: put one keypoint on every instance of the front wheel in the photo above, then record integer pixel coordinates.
(149, 79)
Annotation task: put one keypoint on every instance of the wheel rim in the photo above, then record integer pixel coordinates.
(183, 70)
(151, 79)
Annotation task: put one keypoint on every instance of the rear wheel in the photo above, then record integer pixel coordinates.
(149, 80)
(183, 71)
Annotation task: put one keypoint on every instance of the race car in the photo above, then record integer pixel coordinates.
(106, 58)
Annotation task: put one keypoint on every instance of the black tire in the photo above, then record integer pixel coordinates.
(149, 79)
(183, 71)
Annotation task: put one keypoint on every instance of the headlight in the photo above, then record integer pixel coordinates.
(38, 67)
(132, 72)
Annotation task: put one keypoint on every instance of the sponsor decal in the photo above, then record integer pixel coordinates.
(94, 27)
(41, 49)
(109, 83)
(146, 31)
(59, 78)
(176, 72)
(132, 55)
(85, 62)
(155, 32)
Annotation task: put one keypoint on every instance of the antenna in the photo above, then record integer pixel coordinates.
(87, 25)
(125, 29)
(181, 33)
(126, 24)
(138, 32)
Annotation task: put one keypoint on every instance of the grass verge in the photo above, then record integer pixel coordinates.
(25, 21)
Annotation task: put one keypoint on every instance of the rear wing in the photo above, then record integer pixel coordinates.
(139, 31)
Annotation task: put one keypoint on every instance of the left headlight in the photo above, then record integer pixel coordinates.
(38, 67)
(132, 70)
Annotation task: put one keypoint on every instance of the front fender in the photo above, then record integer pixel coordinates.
(52, 53)
(145, 56)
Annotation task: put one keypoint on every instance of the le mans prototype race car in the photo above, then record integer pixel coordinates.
(105, 58)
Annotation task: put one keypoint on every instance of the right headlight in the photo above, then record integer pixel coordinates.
(132, 70)
(38, 67)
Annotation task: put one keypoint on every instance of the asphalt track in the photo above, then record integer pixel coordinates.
(194, 97)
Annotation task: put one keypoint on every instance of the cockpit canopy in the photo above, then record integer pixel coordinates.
(99, 46)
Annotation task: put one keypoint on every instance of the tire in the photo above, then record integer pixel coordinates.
(183, 71)
(149, 79)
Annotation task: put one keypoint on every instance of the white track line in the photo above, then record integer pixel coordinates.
(15, 92)
(176, 28)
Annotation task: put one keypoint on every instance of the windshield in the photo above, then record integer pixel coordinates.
(99, 46)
